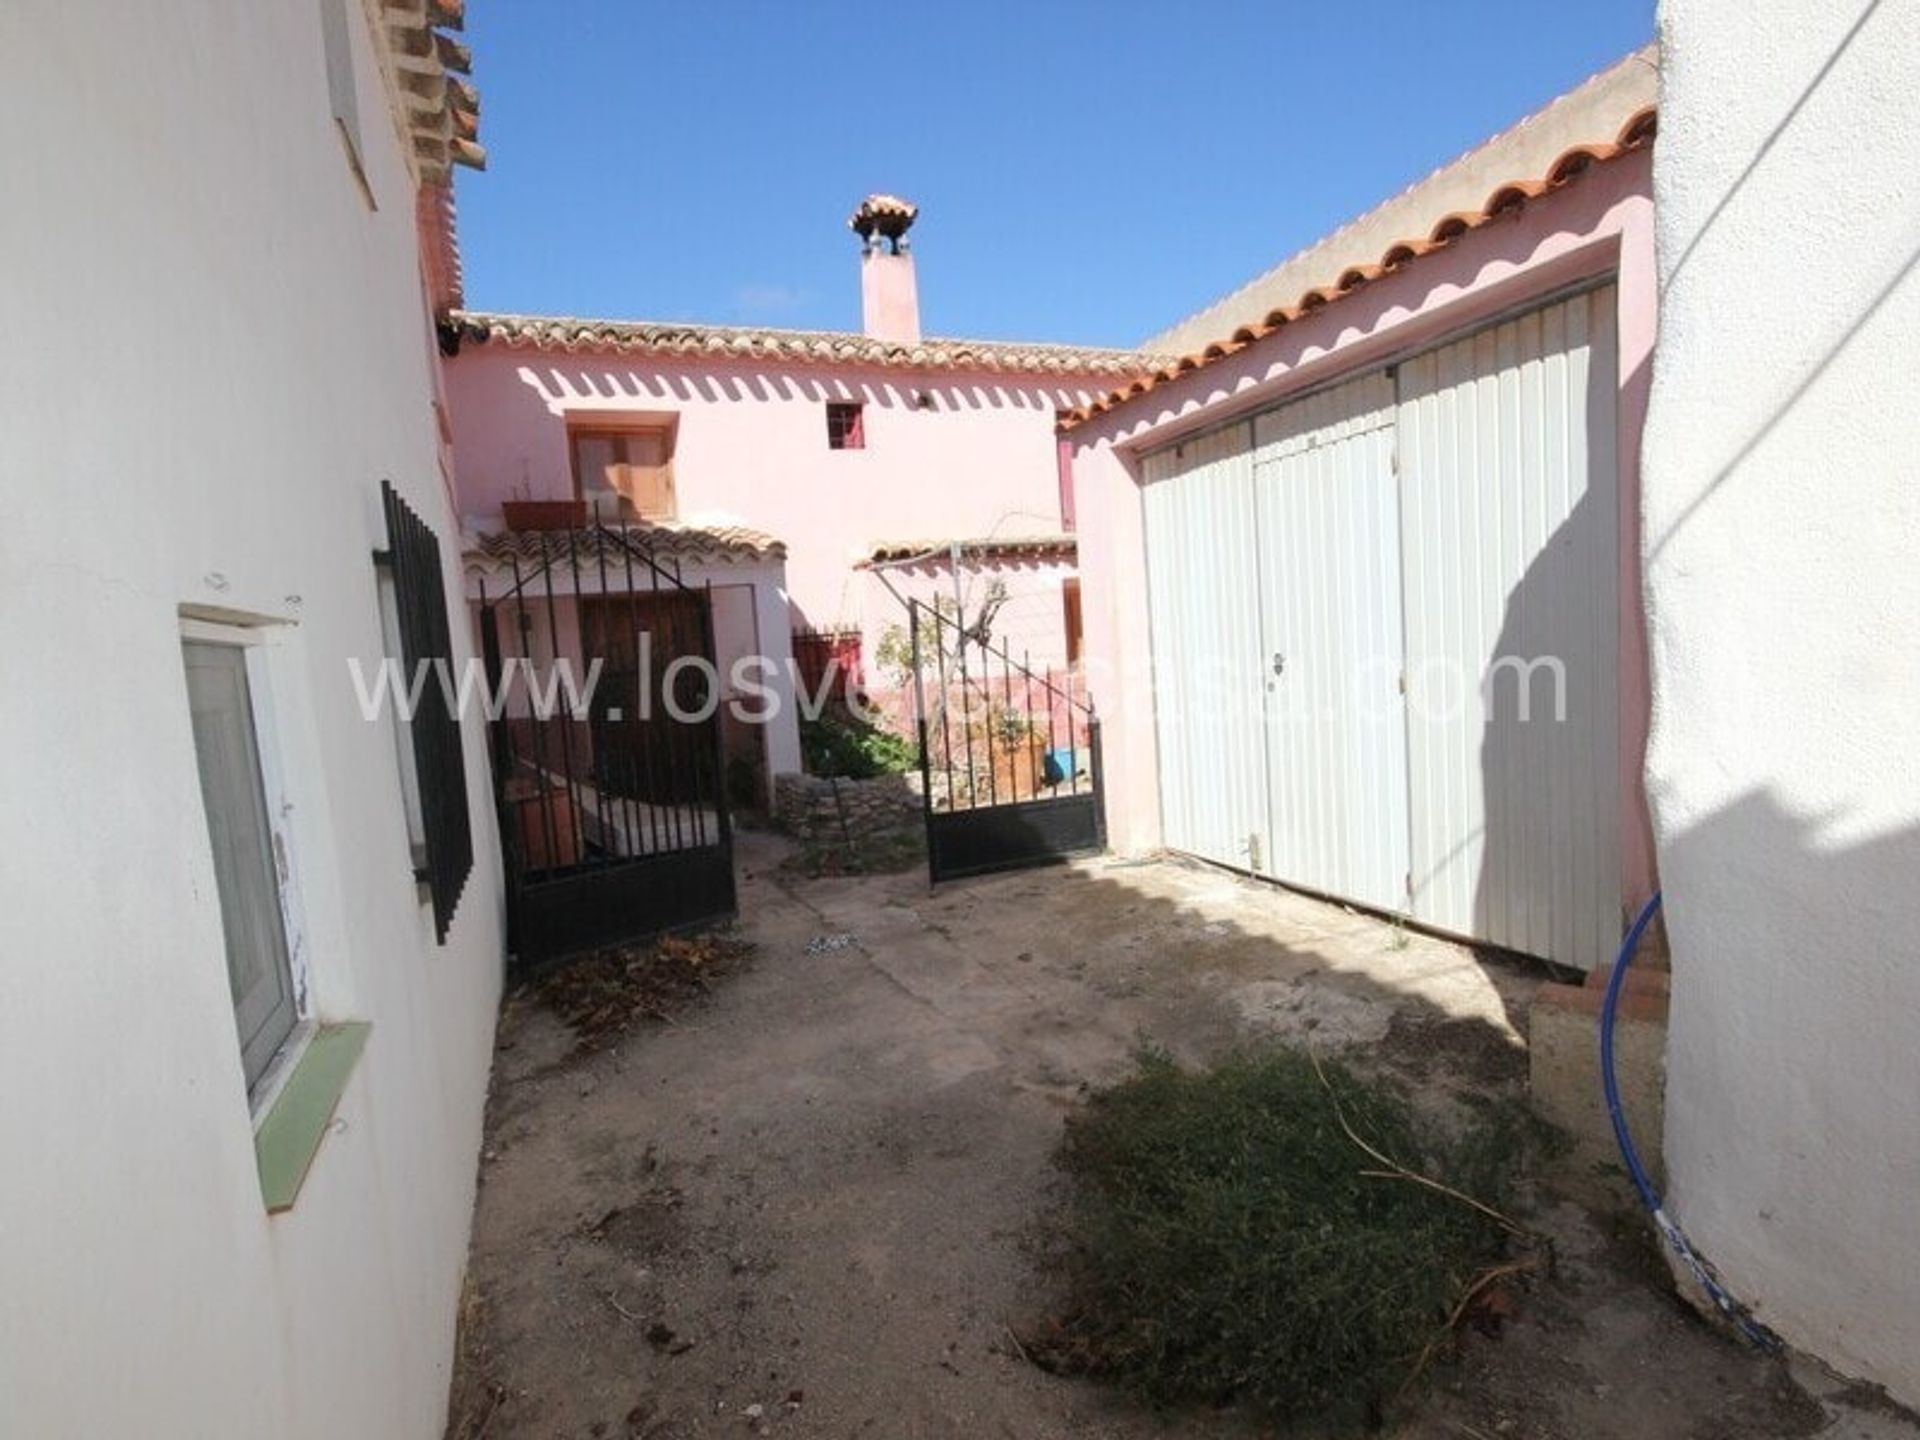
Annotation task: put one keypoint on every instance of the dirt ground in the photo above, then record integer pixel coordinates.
(808, 1205)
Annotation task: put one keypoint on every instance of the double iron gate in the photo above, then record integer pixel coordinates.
(607, 761)
(1009, 756)
(608, 767)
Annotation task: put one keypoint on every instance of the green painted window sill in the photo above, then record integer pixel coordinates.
(288, 1138)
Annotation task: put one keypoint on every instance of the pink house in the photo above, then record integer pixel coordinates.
(1361, 569)
(822, 476)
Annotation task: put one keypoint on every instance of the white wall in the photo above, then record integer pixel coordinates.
(1783, 586)
(214, 352)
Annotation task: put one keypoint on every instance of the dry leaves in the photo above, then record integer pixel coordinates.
(601, 994)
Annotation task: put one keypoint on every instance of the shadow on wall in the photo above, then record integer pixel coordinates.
(1566, 837)
(1792, 1132)
(1560, 797)
(1547, 852)
(671, 384)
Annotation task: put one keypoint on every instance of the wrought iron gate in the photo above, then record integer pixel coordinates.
(1009, 756)
(606, 742)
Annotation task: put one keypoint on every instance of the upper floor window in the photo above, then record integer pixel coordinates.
(336, 34)
(846, 425)
(624, 473)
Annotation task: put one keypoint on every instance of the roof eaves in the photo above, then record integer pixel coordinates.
(933, 551)
(1577, 160)
(439, 110)
(586, 545)
(808, 347)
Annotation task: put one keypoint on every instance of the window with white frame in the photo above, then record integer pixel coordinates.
(246, 860)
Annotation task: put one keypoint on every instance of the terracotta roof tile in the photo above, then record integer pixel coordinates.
(630, 337)
(1035, 547)
(663, 539)
(1640, 129)
(441, 111)
(1509, 198)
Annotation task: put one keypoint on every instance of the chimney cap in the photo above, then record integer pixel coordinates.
(884, 217)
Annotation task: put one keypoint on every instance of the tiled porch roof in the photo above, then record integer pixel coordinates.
(588, 546)
(1018, 547)
(1615, 108)
(803, 347)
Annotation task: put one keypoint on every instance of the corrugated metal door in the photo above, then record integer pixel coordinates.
(1330, 603)
(1201, 588)
(1511, 556)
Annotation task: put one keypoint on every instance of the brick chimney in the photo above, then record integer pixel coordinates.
(889, 296)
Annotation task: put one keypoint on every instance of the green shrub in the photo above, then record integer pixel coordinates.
(836, 745)
(1224, 1246)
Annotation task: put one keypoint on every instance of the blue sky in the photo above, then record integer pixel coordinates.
(1086, 172)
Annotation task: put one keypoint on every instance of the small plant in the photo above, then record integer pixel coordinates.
(852, 749)
(1010, 727)
(894, 656)
(1272, 1234)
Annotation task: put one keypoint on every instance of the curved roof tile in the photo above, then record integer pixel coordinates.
(633, 337)
(1571, 164)
(1640, 129)
(583, 548)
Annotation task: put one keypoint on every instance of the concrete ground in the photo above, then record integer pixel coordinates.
(809, 1206)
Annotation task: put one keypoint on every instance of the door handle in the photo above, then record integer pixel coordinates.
(1279, 663)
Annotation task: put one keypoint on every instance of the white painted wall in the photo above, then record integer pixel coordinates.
(214, 352)
(1782, 525)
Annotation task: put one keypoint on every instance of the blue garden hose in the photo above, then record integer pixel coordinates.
(1737, 1314)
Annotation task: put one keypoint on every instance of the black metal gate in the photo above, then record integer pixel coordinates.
(606, 742)
(1009, 756)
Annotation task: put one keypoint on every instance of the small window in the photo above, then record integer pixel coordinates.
(1070, 618)
(623, 474)
(1063, 464)
(336, 34)
(245, 874)
(846, 425)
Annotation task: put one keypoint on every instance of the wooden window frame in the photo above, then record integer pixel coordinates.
(1072, 620)
(621, 433)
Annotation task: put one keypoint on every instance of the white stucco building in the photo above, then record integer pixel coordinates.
(251, 940)
(217, 258)
(1783, 597)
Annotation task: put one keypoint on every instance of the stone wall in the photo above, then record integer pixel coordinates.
(811, 807)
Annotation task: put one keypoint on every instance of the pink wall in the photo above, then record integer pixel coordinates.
(889, 296)
(1602, 223)
(947, 455)
(1028, 625)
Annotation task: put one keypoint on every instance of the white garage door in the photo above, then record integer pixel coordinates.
(1330, 623)
(1201, 584)
(1341, 654)
(1509, 513)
